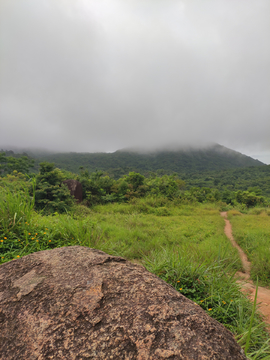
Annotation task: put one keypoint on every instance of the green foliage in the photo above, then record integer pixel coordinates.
(97, 188)
(15, 180)
(227, 196)
(252, 179)
(16, 206)
(216, 168)
(46, 169)
(200, 194)
(249, 198)
(122, 162)
(20, 164)
(168, 186)
(252, 233)
(251, 320)
(16, 210)
(135, 179)
(51, 194)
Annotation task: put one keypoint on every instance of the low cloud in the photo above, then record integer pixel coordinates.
(109, 74)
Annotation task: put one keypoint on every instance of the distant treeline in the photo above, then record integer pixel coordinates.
(121, 163)
(251, 178)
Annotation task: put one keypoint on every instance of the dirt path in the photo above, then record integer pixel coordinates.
(247, 285)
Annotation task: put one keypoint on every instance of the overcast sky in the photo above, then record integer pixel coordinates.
(101, 75)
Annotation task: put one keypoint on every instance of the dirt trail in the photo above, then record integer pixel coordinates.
(247, 285)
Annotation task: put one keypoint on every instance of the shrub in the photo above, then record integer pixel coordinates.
(51, 194)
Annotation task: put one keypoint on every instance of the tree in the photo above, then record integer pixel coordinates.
(97, 188)
(21, 164)
(248, 198)
(135, 179)
(51, 194)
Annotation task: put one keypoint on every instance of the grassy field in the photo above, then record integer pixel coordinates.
(183, 244)
(252, 233)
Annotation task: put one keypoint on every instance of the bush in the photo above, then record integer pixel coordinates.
(51, 194)
(250, 199)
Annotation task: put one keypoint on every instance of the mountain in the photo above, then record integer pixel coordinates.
(208, 158)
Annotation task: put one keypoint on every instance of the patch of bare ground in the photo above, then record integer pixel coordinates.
(243, 278)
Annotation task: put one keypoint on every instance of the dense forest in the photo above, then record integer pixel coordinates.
(256, 178)
(121, 162)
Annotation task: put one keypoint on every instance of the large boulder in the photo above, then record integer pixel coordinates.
(79, 303)
(75, 188)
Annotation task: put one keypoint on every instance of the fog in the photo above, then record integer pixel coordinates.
(102, 75)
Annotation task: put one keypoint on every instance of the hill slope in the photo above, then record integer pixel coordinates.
(232, 179)
(215, 157)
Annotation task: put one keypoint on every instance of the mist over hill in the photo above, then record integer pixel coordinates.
(169, 160)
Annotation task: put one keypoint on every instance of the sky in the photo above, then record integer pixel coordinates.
(102, 75)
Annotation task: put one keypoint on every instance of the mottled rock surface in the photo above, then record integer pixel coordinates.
(75, 188)
(79, 303)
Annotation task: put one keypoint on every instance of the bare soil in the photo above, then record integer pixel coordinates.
(247, 285)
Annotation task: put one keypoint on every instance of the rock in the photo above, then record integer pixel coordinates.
(75, 188)
(79, 303)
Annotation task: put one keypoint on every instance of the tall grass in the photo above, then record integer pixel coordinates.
(251, 320)
(194, 229)
(16, 206)
(252, 233)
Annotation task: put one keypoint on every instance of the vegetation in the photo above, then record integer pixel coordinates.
(215, 168)
(51, 195)
(9, 163)
(252, 233)
(174, 231)
(119, 163)
(253, 178)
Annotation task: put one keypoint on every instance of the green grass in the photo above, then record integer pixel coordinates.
(196, 230)
(185, 245)
(252, 233)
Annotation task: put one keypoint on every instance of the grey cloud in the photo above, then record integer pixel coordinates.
(103, 75)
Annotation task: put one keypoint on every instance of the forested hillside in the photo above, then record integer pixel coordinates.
(216, 168)
(215, 157)
(255, 178)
